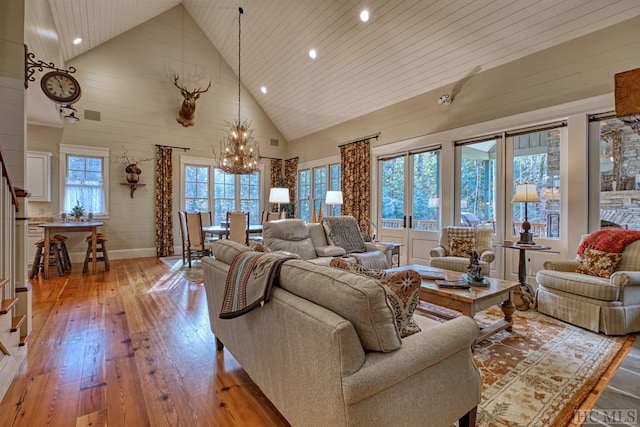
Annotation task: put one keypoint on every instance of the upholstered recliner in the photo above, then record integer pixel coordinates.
(453, 240)
(609, 305)
(312, 243)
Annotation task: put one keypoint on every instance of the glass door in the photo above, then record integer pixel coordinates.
(410, 202)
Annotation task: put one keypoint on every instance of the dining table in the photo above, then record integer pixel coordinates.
(222, 230)
(51, 228)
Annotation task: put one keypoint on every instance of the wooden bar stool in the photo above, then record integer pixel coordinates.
(54, 257)
(64, 253)
(101, 247)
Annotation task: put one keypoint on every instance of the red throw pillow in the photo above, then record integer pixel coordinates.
(598, 263)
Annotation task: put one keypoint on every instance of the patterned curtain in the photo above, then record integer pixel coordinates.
(356, 179)
(276, 176)
(290, 177)
(164, 202)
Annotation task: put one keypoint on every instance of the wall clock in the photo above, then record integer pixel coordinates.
(61, 87)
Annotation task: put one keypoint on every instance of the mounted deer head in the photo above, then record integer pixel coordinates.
(186, 114)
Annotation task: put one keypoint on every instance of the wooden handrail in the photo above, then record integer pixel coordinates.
(5, 172)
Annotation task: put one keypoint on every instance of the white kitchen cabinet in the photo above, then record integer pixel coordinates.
(39, 176)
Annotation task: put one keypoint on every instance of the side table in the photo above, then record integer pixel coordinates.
(526, 290)
(395, 251)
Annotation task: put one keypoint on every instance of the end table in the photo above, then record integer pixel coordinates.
(526, 290)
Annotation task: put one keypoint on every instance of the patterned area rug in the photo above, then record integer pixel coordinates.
(541, 372)
(193, 274)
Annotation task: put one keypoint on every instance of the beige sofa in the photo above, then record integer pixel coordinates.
(604, 305)
(310, 242)
(326, 352)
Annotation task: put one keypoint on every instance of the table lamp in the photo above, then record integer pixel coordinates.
(279, 195)
(525, 193)
(333, 198)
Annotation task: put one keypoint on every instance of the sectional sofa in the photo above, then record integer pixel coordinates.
(325, 350)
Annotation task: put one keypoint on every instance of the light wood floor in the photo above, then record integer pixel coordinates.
(132, 347)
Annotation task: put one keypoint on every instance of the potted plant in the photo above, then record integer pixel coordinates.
(77, 212)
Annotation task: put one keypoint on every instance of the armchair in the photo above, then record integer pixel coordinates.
(454, 240)
(601, 304)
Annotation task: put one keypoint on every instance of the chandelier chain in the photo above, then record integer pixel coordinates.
(240, 12)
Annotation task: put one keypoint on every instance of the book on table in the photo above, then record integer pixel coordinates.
(452, 284)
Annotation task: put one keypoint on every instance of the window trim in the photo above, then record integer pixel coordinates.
(83, 150)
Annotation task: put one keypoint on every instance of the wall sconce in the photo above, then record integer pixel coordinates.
(279, 195)
(333, 198)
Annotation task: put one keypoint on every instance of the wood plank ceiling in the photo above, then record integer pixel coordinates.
(408, 47)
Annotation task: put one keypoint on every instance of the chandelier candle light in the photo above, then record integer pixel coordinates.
(239, 152)
(525, 193)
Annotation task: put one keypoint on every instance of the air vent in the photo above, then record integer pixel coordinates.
(275, 142)
(92, 115)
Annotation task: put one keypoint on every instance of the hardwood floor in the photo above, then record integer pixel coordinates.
(129, 347)
(132, 347)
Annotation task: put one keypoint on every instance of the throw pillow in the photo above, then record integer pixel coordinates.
(462, 247)
(401, 288)
(343, 231)
(599, 263)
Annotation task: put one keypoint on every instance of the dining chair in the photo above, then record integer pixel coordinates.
(206, 220)
(197, 247)
(182, 216)
(238, 230)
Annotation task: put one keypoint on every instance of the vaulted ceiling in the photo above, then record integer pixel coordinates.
(408, 47)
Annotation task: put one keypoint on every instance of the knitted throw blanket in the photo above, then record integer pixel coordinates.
(249, 280)
(608, 240)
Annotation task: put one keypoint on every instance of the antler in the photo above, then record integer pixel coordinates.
(183, 88)
(127, 161)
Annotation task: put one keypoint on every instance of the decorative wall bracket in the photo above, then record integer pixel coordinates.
(132, 187)
(31, 65)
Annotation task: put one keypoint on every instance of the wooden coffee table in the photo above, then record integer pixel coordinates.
(467, 301)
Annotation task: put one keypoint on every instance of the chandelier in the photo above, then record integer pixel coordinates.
(239, 152)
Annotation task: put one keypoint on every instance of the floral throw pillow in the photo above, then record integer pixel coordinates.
(401, 288)
(461, 247)
(598, 263)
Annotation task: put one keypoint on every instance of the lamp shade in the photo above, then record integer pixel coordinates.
(525, 193)
(279, 195)
(334, 198)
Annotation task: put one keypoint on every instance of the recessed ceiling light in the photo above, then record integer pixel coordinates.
(313, 54)
(77, 40)
(364, 15)
(263, 89)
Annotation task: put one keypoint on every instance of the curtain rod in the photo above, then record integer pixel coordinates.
(173, 146)
(362, 138)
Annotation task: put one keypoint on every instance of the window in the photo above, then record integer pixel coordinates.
(206, 188)
(319, 190)
(426, 191)
(536, 160)
(313, 184)
(304, 194)
(477, 182)
(335, 184)
(615, 149)
(196, 188)
(84, 179)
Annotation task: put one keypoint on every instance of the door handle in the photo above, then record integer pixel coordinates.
(404, 221)
(410, 221)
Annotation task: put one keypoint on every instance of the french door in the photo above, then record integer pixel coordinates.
(409, 198)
